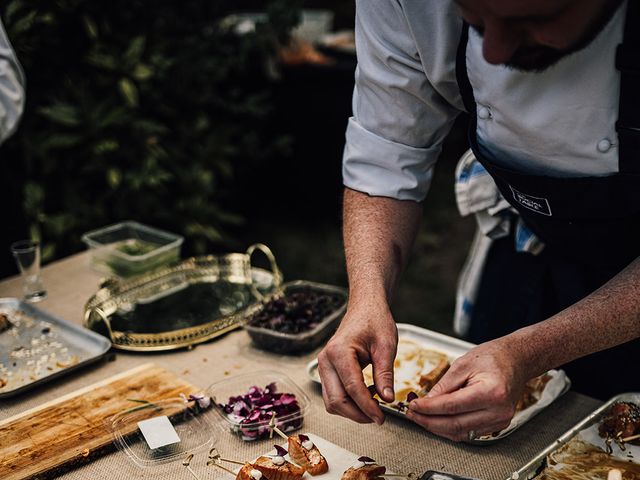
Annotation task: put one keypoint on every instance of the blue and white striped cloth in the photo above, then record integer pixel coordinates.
(477, 193)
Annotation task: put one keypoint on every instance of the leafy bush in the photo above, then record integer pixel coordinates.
(140, 109)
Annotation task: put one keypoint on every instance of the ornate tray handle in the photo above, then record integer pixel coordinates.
(90, 320)
(277, 274)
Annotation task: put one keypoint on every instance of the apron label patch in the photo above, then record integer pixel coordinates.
(537, 204)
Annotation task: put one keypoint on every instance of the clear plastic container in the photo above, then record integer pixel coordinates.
(192, 425)
(253, 429)
(303, 342)
(129, 248)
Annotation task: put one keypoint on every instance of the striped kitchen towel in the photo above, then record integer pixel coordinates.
(477, 193)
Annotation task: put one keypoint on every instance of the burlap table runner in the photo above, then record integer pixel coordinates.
(399, 444)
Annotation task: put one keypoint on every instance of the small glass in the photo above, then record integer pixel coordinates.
(27, 255)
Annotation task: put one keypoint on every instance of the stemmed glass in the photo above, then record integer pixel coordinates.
(27, 255)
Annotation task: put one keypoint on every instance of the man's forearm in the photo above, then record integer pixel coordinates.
(608, 317)
(378, 236)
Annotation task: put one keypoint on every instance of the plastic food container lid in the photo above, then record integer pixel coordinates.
(190, 423)
(243, 385)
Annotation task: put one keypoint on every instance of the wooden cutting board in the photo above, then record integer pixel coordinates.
(60, 434)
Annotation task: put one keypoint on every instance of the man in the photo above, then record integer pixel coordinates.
(540, 81)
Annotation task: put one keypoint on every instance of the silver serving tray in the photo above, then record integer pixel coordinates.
(199, 299)
(453, 348)
(41, 347)
(537, 464)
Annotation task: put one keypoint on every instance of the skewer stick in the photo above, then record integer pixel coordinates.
(614, 474)
(186, 462)
(212, 462)
(631, 438)
(273, 428)
(409, 476)
(214, 456)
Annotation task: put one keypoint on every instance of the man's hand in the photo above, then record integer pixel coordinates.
(478, 394)
(363, 338)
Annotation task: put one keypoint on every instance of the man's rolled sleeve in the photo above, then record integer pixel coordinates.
(381, 167)
(400, 115)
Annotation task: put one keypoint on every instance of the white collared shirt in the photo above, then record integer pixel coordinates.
(559, 122)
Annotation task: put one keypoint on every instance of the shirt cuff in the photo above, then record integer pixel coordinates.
(379, 167)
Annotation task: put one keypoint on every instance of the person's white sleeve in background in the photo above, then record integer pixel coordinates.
(402, 102)
(12, 88)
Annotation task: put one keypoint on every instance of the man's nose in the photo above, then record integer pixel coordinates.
(500, 41)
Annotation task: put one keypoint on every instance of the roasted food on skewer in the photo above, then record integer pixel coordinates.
(364, 469)
(272, 469)
(306, 454)
(250, 472)
(275, 467)
(428, 381)
(269, 467)
(621, 422)
(415, 369)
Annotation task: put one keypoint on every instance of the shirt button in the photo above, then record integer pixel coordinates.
(604, 145)
(484, 113)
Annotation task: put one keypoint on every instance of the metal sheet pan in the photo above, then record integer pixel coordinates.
(453, 348)
(537, 464)
(40, 347)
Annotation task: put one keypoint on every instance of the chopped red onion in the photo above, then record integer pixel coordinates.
(253, 411)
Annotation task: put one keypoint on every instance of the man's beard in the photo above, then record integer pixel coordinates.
(538, 58)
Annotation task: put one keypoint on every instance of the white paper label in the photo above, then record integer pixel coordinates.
(158, 432)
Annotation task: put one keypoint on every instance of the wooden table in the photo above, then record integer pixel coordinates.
(399, 444)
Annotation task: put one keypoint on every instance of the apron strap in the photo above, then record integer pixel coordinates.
(628, 62)
(466, 90)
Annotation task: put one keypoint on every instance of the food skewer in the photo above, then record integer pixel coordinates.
(301, 450)
(614, 474)
(214, 456)
(187, 463)
(631, 438)
(222, 467)
(274, 428)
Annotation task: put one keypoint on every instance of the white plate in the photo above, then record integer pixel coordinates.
(337, 457)
(454, 348)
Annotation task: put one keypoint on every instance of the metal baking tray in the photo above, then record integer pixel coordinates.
(539, 462)
(453, 348)
(40, 347)
(450, 346)
(180, 306)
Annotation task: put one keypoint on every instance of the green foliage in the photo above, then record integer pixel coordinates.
(141, 109)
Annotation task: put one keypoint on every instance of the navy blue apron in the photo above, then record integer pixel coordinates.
(590, 226)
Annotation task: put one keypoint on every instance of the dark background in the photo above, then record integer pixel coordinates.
(204, 141)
